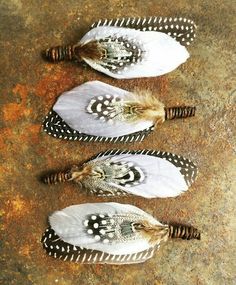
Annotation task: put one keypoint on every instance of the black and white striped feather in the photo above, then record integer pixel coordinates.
(57, 248)
(56, 127)
(181, 29)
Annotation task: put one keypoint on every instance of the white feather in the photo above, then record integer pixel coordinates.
(68, 225)
(162, 53)
(162, 180)
(71, 107)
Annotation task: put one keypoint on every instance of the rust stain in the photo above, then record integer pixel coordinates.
(14, 111)
(5, 171)
(74, 267)
(17, 207)
(10, 141)
(98, 269)
(22, 90)
(163, 83)
(5, 133)
(18, 204)
(54, 84)
(158, 283)
(2, 226)
(29, 166)
(25, 250)
(31, 133)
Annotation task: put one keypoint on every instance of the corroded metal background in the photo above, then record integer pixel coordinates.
(29, 87)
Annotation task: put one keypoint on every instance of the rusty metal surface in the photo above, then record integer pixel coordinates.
(29, 87)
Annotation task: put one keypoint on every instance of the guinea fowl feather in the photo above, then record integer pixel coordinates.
(108, 233)
(96, 111)
(146, 173)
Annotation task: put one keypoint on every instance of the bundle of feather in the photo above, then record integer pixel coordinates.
(95, 111)
(131, 47)
(146, 173)
(108, 233)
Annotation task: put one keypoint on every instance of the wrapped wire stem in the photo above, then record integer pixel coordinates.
(184, 232)
(179, 112)
(59, 53)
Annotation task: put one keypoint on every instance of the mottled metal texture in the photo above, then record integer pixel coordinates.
(29, 87)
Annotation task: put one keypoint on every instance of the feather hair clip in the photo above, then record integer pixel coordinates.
(146, 173)
(131, 47)
(95, 111)
(108, 233)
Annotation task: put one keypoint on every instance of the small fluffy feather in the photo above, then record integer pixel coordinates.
(146, 106)
(91, 50)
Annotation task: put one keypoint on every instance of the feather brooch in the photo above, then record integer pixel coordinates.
(131, 47)
(96, 111)
(108, 233)
(146, 173)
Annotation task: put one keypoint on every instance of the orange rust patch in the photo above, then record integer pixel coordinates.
(5, 133)
(53, 85)
(31, 133)
(17, 207)
(73, 266)
(25, 250)
(22, 90)
(14, 111)
(163, 85)
(18, 204)
(98, 269)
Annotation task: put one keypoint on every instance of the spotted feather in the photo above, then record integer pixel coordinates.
(108, 233)
(180, 28)
(121, 53)
(186, 167)
(124, 52)
(57, 248)
(56, 127)
(146, 173)
(95, 111)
